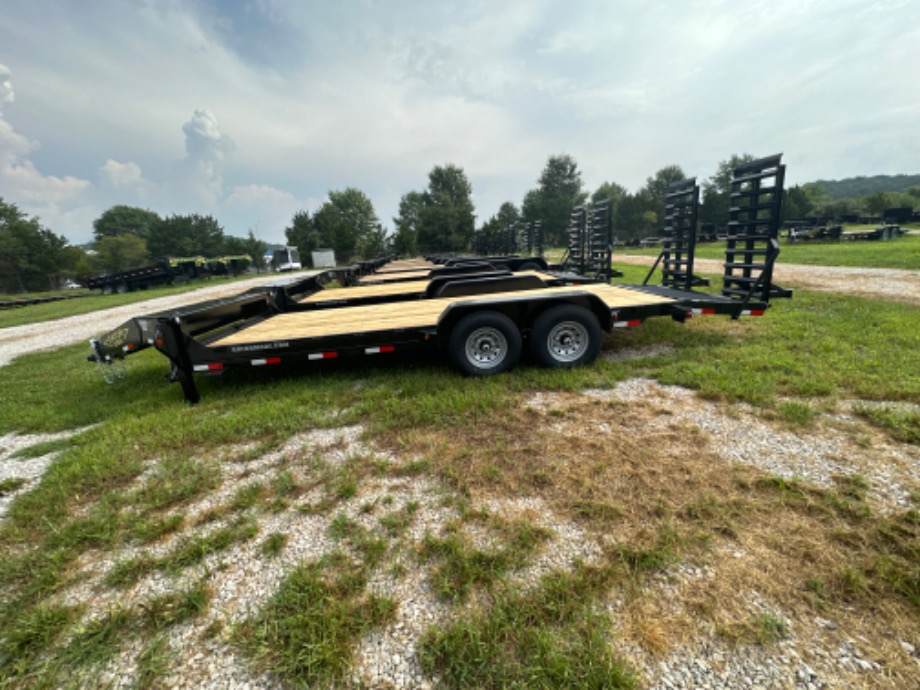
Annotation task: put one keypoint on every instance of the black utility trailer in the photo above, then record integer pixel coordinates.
(483, 327)
(482, 316)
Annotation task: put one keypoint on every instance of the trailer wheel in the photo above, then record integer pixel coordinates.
(121, 288)
(485, 343)
(565, 336)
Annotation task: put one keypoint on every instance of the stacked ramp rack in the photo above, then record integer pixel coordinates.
(679, 237)
(753, 231)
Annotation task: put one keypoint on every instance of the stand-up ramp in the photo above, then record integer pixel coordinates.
(753, 229)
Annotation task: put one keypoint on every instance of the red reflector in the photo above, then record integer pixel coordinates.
(159, 342)
(330, 355)
(273, 360)
(215, 367)
(387, 348)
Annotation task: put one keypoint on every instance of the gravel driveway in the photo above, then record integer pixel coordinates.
(50, 335)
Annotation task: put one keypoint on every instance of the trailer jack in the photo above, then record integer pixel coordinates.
(112, 369)
(171, 342)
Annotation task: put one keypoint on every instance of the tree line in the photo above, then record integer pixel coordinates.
(33, 258)
(439, 218)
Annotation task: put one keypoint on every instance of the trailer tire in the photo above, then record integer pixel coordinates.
(121, 288)
(485, 343)
(565, 336)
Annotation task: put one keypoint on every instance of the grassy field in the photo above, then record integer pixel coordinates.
(158, 491)
(903, 252)
(126, 488)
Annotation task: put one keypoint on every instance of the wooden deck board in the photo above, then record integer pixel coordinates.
(408, 287)
(394, 276)
(411, 314)
(374, 290)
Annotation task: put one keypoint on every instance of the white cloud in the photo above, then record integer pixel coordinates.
(126, 178)
(7, 95)
(20, 180)
(321, 96)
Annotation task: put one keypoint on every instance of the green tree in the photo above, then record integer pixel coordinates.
(558, 191)
(190, 235)
(717, 190)
(125, 220)
(31, 256)
(796, 205)
(634, 216)
(446, 221)
(508, 214)
(346, 223)
(656, 192)
(120, 253)
(250, 246)
(612, 192)
(302, 233)
(405, 239)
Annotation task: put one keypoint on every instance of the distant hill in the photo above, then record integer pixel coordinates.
(861, 186)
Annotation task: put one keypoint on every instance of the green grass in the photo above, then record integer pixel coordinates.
(902, 253)
(903, 425)
(815, 346)
(306, 633)
(10, 484)
(549, 637)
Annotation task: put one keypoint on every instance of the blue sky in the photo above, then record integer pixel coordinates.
(254, 109)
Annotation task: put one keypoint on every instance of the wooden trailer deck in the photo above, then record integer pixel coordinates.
(409, 265)
(364, 291)
(390, 276)
(412, 314)
(388, 289)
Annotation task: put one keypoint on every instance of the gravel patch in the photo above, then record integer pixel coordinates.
(30, 470)
(51, 335)
(894, 284)
(810, 455)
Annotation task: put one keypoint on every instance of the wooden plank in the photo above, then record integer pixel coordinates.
(389, 277)
(400, 266)
(411, 314)
(360, 291)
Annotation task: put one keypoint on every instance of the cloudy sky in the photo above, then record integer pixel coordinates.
(253, 109)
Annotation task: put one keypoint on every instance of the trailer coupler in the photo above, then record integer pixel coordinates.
(112, 369)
